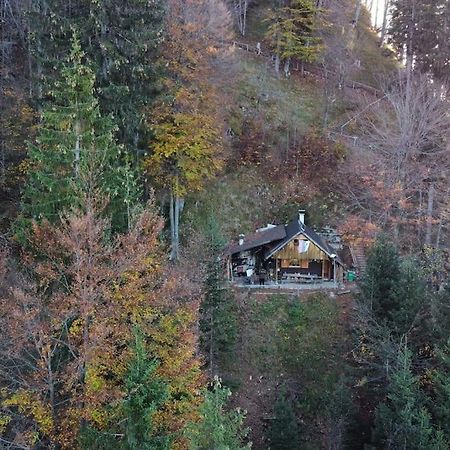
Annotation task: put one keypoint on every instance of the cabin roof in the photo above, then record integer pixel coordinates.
(296, 228)
(278, 237)
(258, 239)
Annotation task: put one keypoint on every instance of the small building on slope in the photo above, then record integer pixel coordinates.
(291, 253)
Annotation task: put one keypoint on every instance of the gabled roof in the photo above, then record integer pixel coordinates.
(278, 237)
(296, 228)
(267, 236)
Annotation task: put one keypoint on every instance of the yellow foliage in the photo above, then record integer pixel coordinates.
(30, 404)
(4, 421)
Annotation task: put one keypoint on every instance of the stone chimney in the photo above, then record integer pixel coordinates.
(241, 239)
(301, 216)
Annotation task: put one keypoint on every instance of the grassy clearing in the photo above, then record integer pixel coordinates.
(291, 343)
(281, 101)
(244, 196)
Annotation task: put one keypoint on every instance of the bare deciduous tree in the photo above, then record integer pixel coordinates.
(404, 158)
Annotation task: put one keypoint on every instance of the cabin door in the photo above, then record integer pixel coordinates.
(315, 268)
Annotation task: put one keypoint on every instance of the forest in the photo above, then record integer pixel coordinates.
(138, 139)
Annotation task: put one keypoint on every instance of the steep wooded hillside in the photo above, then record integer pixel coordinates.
(138, 138)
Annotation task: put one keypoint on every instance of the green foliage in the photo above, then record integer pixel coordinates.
(393, 288)
(218, 320)
(337, 416)
(292, 31)
(403, 421)
(441, 404)
(309, 337)
(409, 295)
(419, 29)
(440, 313)
(145, 394)
(76, 153)
(381, 277)
(120, 38)
(298, 342)
(284, 432)
(218, 429)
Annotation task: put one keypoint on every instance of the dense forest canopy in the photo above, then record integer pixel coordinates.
(138, 138)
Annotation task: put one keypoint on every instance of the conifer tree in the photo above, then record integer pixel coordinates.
(292, 30)
(409, 297)
(218, 317)
(440, 313)
(76, 151)
(420, 32)
(120, 38)
(403, 420)
(381, 277)
(393, 288)
(218, 429)
(284, 433)
(144, 395)
(441, 405)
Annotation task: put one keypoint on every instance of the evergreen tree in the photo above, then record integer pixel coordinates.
(284, 433)
(145, 393)
(381, 278)
(420, 32)
(218, 309)
(440, 313)
(76, 152)
(292, 32)
(218, 429)
(393, 288)
(402, 421)
(121, 38)
(409, 296)
(441, 405)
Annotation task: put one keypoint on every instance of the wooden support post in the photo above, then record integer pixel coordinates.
(276, 270)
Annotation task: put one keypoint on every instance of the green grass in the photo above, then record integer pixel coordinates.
(281, 101)
(243, 197)
(292, 342)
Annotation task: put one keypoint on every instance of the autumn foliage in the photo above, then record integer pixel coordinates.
(71, 320)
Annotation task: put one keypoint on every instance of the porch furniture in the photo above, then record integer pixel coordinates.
(300, 278)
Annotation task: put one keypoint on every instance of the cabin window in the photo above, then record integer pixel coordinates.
(294, 263)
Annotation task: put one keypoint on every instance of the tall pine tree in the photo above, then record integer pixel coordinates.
(218, 429)
(292, 32)
(76, 151)
(284, 432)
(218, 312)
(420, 33)
(145, 393)
(403, 421)
(120, 38)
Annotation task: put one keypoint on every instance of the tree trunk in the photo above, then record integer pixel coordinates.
(384, 26)
(77, 150)
(172, 224)
(438, 235)
(410, 51)
(176, 208)
(242, 8)
(357, 13)
(277, 64)
(429, 214)
(287, 65)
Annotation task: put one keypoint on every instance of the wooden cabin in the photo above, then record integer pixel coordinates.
(292, 252)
